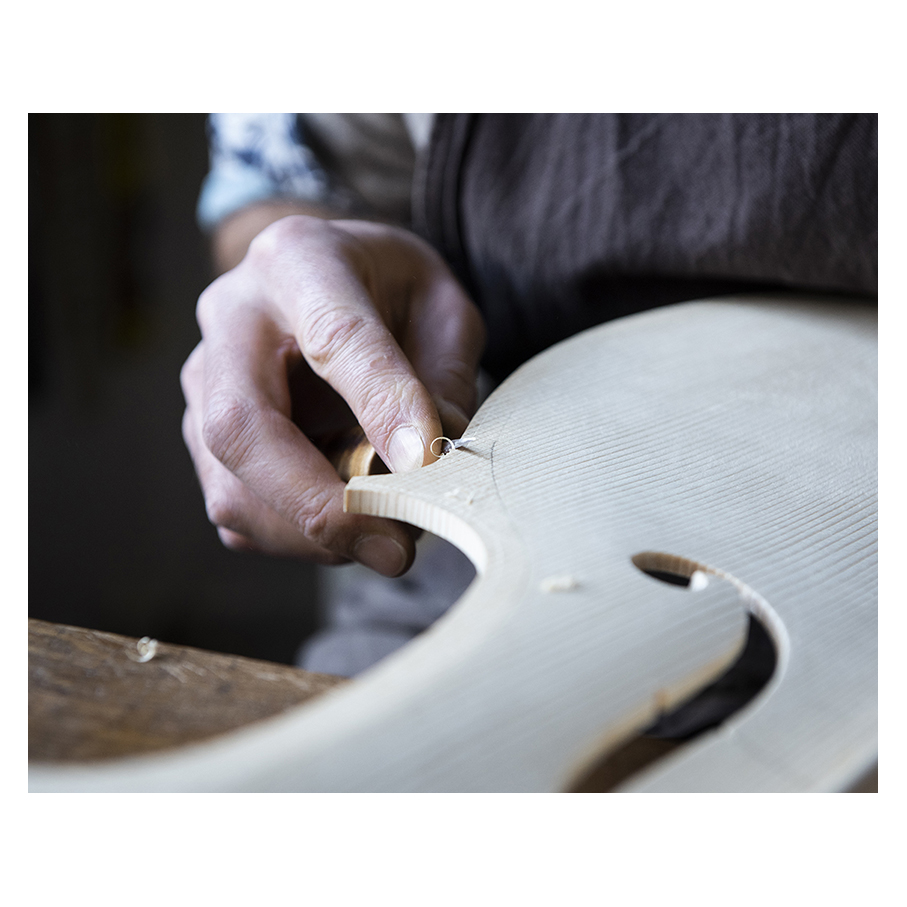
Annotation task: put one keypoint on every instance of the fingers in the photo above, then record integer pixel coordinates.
(349, 347)
(441, 333)
(323, 285)
(375, 314)
(247, 522)
(243, 521)
(386, 324)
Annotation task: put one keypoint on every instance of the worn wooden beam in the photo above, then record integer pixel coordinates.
(89, 697)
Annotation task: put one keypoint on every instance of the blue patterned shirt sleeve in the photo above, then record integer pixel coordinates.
(256, 156)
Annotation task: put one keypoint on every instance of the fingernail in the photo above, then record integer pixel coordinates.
(405, 450)
(381, 554)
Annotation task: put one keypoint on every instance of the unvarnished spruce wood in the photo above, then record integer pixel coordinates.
(735, 438)
(90, 696)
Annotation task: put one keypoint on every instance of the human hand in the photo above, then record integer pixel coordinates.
(324, 324)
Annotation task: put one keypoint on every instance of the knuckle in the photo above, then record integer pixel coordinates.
(234, 541)
(222, 511)
(328, 331)
(317, 520)
(286, 236)
(190, 372)
(186, 427)
(228, 429)
(221, 298)
(208, 304)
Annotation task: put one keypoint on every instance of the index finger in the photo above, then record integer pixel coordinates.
(246, 426)
(343, 337)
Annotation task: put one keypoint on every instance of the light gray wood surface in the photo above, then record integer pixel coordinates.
(733, 440)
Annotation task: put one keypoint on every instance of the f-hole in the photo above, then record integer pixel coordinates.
(707, 709)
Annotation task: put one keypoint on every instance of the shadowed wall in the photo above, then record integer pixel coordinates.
(118, 537)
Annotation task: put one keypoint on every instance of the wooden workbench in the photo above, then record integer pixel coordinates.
(90, 698)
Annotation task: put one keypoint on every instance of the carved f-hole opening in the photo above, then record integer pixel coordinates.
(707, 709)
(676, 571)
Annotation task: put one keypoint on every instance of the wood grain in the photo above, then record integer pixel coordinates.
(89, 699)
(734, 439)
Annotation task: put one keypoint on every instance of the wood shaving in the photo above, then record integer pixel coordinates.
(564, 583)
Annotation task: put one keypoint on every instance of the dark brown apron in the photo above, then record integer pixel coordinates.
(556, 222)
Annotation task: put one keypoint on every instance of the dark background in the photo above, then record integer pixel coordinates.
(117, 532)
